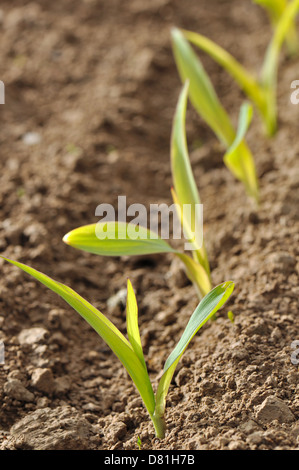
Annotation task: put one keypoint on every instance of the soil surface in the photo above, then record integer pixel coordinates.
(91, 88)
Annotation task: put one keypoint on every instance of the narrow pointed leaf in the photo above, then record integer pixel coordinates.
(203, 96)
(263, 92)
(185, 193)
(247, 82)
(201, 91)
(132, 323)
(206, 309)
(199, 254)
(115, 239)
(238, 159)
(109, 333)
(271, 61)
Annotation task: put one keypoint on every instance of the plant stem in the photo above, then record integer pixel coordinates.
(159, 425)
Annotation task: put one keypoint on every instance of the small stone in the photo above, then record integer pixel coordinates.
(14, 388)
(236, 445)
(58, 319)
(91, 407)
(276, 334)
(62, 385)
(249, 427)
(182, 377)
(282, 262)
(13, 233)
(256, 438)
(117, 302)
(16, 374)
(117, 431)
(274, 408)
(32, 335)
(166, 318)
(59, 338)
(42, 380)
(31, 138)
(42, 402)
(62, 428)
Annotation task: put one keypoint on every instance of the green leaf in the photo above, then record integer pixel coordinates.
(204, 98)
(243, 77)
(238, 160)
(185, 191)
(108, 332)
(271, 61)
(263, 92)
(206, 309)
(132, 323)
(275, 10)
(116, 239)
(201, 91)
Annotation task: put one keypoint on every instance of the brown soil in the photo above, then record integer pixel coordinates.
(97, 82)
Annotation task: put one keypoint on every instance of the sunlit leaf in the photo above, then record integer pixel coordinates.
(185, 193)
(116, 239)
(261, 92)
(206, 309)
(275, 10)
(201, 91)
(240, 162)
(132, 323)
(110, 334)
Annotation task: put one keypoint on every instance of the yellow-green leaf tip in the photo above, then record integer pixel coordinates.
(66, 238)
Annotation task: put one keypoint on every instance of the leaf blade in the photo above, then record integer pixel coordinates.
(271, 61)
(206, 309)
(185, 192)
(238, 157)
(132, 323)
(243, 77)
(201, 91)
(108, 332)
(118, 241)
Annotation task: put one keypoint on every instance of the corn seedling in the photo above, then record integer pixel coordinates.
(203, 96)
(129, 351)
(115, 238)
(275, 10)
(261, 91)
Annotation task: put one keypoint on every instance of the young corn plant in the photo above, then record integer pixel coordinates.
(275, 10)
(238, 157)
(115, 238)
(261, 91)
(129, 350)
